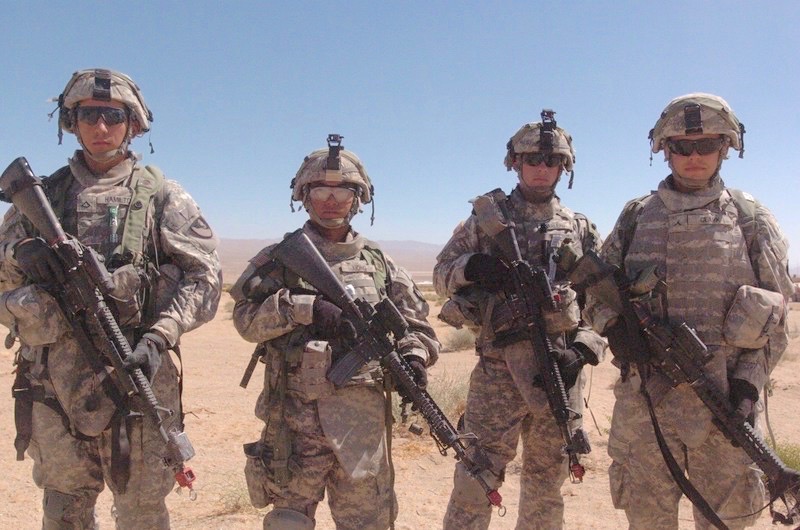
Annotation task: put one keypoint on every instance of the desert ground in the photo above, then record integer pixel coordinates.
(220, 419)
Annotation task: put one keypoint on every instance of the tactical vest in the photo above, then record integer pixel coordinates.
(539, 239)
(703, 255)
(112, 220)
(366, 272)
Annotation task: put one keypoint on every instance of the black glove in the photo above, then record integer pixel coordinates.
(570, 362)
(620, 343)
(38, 261)
(328, 323)
(487, 271)
(743, 397)
(420, 376)
(420, 372)
(147, 354)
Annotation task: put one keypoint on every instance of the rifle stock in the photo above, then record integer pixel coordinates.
(378, 330)
(677, 352)
(82, 301)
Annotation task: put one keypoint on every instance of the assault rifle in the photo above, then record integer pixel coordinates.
(677, 352)
(378, 329)
(530, 293)
(82, 299)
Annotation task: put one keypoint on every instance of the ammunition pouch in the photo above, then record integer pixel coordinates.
(508, 318)
(258, 474)
(567, 316)
(126, 296)
(753, 316)
(309, 381)
(466, 306)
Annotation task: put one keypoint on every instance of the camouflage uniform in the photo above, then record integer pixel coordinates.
(699, 246)
(332, 439)
(503, 403)
(78, 435)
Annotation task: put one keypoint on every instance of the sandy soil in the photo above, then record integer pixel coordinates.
(220, 418)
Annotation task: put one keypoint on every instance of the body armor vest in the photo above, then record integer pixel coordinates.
(702, 256)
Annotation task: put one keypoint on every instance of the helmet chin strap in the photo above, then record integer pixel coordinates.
(539, 194)
(106, 156)
(694, 185)
(330, 223)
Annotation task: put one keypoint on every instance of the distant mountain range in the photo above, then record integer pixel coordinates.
(416, 257)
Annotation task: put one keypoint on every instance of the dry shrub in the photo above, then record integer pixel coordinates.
(232, 498)
(789, 453)
(449, 393)
(458, 339)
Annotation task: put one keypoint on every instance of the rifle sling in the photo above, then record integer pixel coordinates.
(121, 450)
(678, 476)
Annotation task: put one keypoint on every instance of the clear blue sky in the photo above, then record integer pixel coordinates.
(426, 93)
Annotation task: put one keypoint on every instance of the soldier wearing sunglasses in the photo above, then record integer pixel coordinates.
(161, 253)
(504, 402)
(320, 440)
(721, 259)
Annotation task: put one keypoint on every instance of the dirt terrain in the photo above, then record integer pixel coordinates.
(220, 419)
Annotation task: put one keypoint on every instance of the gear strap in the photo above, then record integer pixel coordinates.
(148, 184)
(22, 393)
(675, 470)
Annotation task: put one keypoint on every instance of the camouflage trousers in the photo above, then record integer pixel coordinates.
(502, 407)
(640, 481)
(365, 501)
(73, 472)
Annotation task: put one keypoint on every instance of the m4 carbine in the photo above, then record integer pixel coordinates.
(82, 299)
(677, 352)
(529, 287)
(378, 329)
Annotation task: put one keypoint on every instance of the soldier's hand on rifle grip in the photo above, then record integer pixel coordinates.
(743, 397)
(38, 261)
(328, 323)
(570, 361)
(147, 354)
(489, 272)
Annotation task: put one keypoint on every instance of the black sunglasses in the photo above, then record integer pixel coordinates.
(703, 146)
(110, 115)
(534, 159)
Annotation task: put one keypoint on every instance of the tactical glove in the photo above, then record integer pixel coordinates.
(328, 323)
(571, 360)
(620, 343)
(38, 261)
(147, 354)
(420, 375)
(743, 397)
(489, 272)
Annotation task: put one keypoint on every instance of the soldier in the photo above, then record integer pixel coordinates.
(161, 252)
(504, 401)
(723, 259)
(319, 439)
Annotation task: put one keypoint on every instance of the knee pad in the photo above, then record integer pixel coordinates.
(467, 490)
(285, 519)
(62, 509)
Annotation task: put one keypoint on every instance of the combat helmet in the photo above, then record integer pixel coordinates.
(334, 164)
(697, 113)
(102, 84)
(542, 137)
